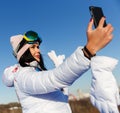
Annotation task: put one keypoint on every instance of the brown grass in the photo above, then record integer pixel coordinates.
(82, 106)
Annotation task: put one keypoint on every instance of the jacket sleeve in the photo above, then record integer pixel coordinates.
(9, 74)
(104, 90)
(64, 75)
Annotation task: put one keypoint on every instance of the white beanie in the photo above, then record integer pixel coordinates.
(15, 41)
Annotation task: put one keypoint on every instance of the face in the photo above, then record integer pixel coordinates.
(35, 51)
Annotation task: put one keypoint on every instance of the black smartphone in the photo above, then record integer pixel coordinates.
(96, 13)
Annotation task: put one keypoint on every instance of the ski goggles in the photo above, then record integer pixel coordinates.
(31, 37)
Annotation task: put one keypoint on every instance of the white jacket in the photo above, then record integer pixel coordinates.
(104, 93)
(39, 92)
(104, 88)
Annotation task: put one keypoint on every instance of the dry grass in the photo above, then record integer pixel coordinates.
(10, 108)
(82, 106)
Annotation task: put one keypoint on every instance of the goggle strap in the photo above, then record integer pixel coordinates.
(27, 39)
(22, 50)
(20, 45)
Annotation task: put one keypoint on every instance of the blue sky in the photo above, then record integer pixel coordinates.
(62, 25)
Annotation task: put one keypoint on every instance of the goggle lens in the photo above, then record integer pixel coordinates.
(31, 37)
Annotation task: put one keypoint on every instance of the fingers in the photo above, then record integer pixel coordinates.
(109, 29)
(90, 25)
(108, 32)
(101, 23)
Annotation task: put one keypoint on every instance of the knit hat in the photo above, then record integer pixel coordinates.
(15, 42)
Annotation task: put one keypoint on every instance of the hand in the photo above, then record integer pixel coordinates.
(57, 60)
(98, 38)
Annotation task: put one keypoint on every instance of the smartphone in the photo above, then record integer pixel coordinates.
(97, 13)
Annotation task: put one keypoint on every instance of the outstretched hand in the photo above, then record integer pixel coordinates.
(57, 60)
(98, 38)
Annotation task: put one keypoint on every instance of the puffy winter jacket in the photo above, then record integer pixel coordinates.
(104, 89)
(40, 92)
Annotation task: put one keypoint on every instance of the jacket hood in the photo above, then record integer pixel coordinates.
(9, 75)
